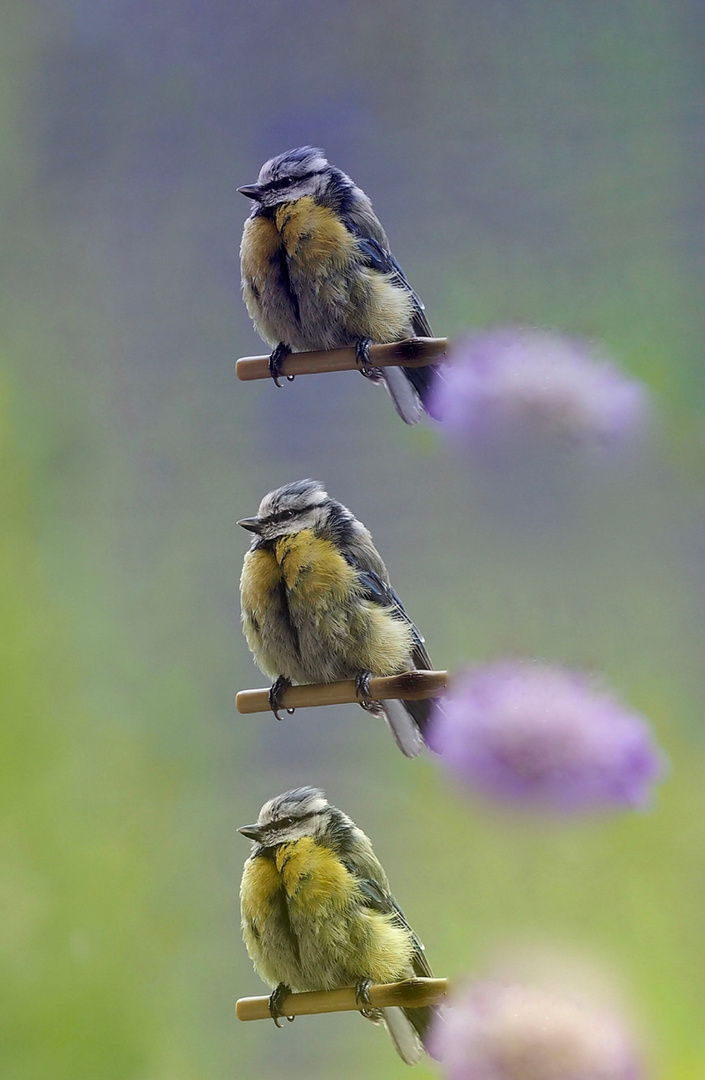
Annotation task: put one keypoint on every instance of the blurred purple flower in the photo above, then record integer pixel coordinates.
(541, 735)
(513, 388)
(495, 1031)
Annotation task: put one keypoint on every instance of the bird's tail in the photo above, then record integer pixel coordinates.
(422, 379)
(403, 1034)
(407, 720)
(409, 1030)
(410, 390)
(406, 400)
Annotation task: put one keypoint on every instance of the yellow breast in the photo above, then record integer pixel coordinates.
(261, 573)
(306, 563)
(313, 567)
(310, 875)
(260, 883)
(313, 235)
(260, 241)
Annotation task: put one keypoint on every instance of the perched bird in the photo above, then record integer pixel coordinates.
(317, 273)
(317, 913)
(317, 605)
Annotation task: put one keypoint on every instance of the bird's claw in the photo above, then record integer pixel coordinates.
(276, 359)
(276, 1000)
(280, 684)
(362, 690)
(362, 996)
(362, 357)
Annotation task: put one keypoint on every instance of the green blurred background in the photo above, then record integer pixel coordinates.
(538, 161)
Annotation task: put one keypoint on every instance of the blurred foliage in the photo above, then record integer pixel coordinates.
(538, 162)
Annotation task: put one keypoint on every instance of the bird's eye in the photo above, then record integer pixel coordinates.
(289, 180)
(289, 820)
(290, 514)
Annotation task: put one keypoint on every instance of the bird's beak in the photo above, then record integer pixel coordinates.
(252, 524)
(252, 832)
(251, 191)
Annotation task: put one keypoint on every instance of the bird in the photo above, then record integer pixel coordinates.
(317, 605)
(318, 914)
(317, 273)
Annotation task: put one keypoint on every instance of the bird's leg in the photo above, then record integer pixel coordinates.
(276, 1000)
(362, 357)
(362, 690)
(280, 684)
(277, 357)
(362, 996)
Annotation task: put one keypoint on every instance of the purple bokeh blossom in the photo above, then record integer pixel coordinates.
(512, 389)
(497, 1031)
(541, 735)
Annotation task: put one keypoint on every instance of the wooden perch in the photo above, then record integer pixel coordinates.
(412, 994)
(414, 352)
(409, 686)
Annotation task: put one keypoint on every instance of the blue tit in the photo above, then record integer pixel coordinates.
(317, 273)
(317, 605)
(317, 913)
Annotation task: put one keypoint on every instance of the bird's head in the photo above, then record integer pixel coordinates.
(305, 811)
(305, 504)
(297, 173)
(289, 176)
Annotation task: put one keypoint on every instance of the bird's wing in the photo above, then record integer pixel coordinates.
(374, 252)
(379, 258)
(381, 592)
(372, 882)
(380, 899)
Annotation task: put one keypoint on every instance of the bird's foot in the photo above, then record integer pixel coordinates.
(280, 684)
(277, 357)
(362, 357)
(362, 996)
(276, 1000)
(362, 690)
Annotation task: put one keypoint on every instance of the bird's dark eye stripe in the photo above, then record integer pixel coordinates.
(284, 181)
(283, 515)
(291, 820)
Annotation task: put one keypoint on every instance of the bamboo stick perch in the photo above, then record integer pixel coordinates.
(412, 994)
(414, 352)
(409, 686)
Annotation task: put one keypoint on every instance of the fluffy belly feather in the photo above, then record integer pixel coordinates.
(304, 616)
(305, 282)
(304, 922)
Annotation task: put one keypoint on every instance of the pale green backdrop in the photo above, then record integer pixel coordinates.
(538, 161)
